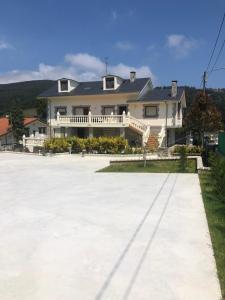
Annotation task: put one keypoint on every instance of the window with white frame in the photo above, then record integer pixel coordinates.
(108, 110)
(151, 111)
(61, 109)
(109, 83)
(81, 110)
(64, 85)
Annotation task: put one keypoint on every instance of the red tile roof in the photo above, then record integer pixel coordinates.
(5, 127)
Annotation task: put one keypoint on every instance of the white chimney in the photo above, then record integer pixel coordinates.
(132, 76)
(174, 88)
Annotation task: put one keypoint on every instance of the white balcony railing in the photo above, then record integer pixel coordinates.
(95, 120)
(124, 120)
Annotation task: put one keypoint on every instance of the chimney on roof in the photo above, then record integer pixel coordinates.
(132, 76)
(174, 88)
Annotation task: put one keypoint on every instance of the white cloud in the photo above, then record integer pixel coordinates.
(124, 45)
(80, 66)
(85, 61)
(5, 45)
(181, 45)
(114, 15)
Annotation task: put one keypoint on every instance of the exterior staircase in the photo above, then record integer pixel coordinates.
(152, 142)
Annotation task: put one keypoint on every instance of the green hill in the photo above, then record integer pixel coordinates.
(24, 92)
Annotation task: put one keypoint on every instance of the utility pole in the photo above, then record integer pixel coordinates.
(204, 81)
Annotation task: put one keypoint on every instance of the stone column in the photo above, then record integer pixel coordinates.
(122, 132)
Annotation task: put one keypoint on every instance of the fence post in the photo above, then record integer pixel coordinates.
(89, 118)
(24, 141)
(58, 115)
(124, 118)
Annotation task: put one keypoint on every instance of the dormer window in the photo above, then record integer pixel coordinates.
(109, 82)
(64, 85)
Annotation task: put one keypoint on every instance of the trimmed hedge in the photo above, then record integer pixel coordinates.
(102, 145)
(188, 149)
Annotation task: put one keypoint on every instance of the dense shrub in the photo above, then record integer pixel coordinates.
(56, 145)
(217, 163)
(109, 145)
(188, 149)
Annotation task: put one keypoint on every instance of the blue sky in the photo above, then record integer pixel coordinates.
(166, 40)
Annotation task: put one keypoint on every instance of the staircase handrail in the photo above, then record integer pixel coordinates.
(137, 123)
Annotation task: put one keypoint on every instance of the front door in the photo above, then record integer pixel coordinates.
(122, 108)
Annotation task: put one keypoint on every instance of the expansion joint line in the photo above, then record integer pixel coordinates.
(129, 244)
(147, 248)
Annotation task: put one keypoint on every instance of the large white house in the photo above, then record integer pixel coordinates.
(131, 108)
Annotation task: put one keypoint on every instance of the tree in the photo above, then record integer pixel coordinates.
(17, 121)
(42, 109)
(202, 117)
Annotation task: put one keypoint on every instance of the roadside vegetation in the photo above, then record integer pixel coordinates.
(213, 193)
(154, 166)
(215, 211)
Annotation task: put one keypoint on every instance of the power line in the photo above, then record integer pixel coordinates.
(214, 48)
(219, 69)
(218, 56)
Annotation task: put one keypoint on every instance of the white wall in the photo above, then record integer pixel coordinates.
(135, 109)
(6, 139)
(95, 103)
(34, 126)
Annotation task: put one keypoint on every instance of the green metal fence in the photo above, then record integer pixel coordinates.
(221, 143)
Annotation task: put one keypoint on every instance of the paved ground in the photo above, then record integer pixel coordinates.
(68, 233)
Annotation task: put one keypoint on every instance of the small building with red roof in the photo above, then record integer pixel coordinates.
(32, 126)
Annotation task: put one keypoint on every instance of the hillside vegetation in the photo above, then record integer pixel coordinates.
(24, 92)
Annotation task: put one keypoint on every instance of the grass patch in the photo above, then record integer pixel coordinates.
(215, 211)
(157, 166)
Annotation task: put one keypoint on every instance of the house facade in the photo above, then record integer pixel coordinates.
(114, 106)
(33, 126)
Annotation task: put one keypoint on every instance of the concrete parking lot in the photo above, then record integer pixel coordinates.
(70, 233)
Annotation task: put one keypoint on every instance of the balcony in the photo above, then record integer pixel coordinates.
(124, 120)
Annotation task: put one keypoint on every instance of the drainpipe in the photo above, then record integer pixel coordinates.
(166, 141)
